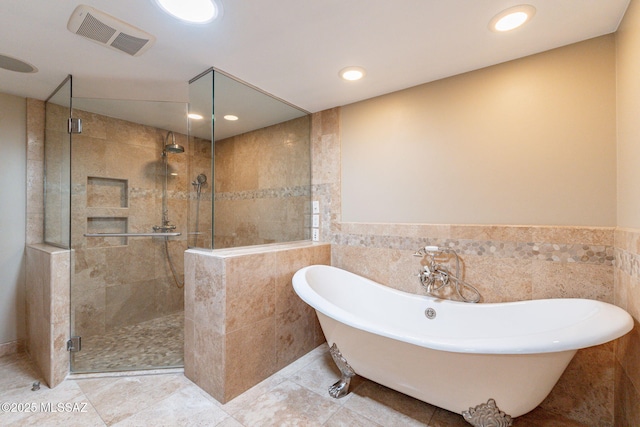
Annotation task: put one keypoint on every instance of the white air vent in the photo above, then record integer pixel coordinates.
(109, 31)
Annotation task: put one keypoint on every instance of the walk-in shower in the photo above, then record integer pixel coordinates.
(127, 210)
(141, 184)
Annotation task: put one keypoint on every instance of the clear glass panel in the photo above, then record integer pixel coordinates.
(129, 175)
(200, 160)
(57, 157)
(262, 167)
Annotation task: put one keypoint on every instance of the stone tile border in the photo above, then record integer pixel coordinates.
(506, 245)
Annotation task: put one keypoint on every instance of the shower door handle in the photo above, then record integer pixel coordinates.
(132, 234)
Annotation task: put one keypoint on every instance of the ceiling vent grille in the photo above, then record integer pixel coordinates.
(108, 31)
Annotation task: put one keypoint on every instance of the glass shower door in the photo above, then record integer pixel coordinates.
(129, 197)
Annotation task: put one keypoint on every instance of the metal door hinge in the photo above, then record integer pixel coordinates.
(74, 344)
(74, 125)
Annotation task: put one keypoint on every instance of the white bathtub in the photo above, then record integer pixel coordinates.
(469, 353)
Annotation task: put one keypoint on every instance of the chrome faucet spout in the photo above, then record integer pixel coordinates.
(435, 276)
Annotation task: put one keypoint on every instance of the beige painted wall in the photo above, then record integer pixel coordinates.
(628, 113)
(531, 141)
(13, 192)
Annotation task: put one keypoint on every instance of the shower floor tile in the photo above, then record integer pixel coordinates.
(155, 343)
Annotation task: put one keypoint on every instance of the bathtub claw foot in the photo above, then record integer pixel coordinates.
(341, 387)
(487, 415)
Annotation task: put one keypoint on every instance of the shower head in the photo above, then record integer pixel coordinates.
(172, 147)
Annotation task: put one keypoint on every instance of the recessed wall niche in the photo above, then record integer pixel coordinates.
(107, 192)
(106, 225)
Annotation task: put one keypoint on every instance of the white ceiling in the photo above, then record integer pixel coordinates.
(293, 48)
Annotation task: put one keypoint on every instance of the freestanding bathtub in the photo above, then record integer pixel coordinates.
(451, 354)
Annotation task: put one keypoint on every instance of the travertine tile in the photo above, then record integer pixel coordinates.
(499, 280)
(288, 404)
(347, 418)
(67, 392)
(117, 399)
(572, 280)
(574, 235)
(539, 417)
(185, 407)
(283, 399)
(207, 293)
(444, 418)
(18, 373)
(244, 366)
(241, 402)
(208, 369)
(627, 397)
(584, 392)
(387, 407)
(250, 287)
(629, 355)
(321, 373)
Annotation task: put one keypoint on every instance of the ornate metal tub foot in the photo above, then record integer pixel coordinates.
(341, 387)
(487, 415)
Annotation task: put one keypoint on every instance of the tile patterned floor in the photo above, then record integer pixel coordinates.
(295, 396)
(146, 345)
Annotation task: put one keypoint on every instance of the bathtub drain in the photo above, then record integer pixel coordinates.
(430, 313)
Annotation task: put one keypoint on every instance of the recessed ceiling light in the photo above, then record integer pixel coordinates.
(512, 18)
(194, 116)
(194, 11)
(14, 64)
(352, 73)
(231, 117)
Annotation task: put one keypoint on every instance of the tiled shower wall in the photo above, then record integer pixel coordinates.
(117, 175)
(262, 186)
(506, 263)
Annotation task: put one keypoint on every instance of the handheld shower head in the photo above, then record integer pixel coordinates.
(172, 147)
(199, 181)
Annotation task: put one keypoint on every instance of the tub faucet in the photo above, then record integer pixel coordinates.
(435, 276)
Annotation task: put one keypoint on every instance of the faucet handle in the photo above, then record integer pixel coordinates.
(427, 250)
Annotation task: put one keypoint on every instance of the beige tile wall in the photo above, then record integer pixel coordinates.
(627, 296)
(262, 186)
(117, 178)
(35, 171)
(48, 310)
(243, 321)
